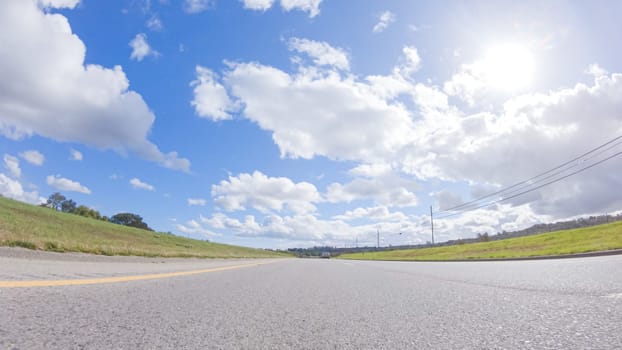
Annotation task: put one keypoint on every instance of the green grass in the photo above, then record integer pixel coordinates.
(589, 239)
(28, 226)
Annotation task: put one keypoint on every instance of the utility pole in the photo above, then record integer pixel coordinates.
(378, 245)
(432, 224)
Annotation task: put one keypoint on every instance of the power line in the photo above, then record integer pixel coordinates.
(530, 182)
(535, 188)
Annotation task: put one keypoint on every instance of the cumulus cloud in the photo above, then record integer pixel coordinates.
(469, 84)
(321, 53)
(297, 227)
(137, 184)
(140, 48)
(154, 23)
(595, 70)
(370, 170)
(75, 155)
(447, 199)
(380, 213)
(210, 97)
(361, 225)
(33, 157)
(64, 184)
(11, 188)
(197, 201)
(310, 6)
(58, 4)
(498, 148)
(55, 95)
(196, 6)
(365, 120)
(309, 230)
(193, 227)
(338, 117)
(411, 62)
(385, 19)
(265, 194)
(11, 163)
(258, 5)
(385, 191)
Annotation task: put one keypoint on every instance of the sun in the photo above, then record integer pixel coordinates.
(508, 67)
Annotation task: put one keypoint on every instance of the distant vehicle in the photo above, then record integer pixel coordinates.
(325, 255)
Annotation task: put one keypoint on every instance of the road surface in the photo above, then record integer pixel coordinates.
(310, 304)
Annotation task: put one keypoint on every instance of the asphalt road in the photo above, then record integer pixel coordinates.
(313, 304)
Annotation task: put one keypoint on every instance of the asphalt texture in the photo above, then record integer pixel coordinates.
(314, 304)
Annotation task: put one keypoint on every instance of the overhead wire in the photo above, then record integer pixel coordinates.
(527, 182)
(527, 186)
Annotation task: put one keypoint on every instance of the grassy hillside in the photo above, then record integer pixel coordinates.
(588, 239)
(34, 227)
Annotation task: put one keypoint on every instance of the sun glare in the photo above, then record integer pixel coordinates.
(508, 67)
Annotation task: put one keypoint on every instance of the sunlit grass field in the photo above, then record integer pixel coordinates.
(40, 228)
(588, 239)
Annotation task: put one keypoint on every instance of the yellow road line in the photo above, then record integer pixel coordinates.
(103, 280)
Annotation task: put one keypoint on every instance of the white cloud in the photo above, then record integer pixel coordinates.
(309, 230)
(411, 62)
(210, 97)
(265, 194)
(196, 6)
(137, 184)
(33, 157)
(337, 114)
(380, 213)
(310, 6)
(13, 189)
(94, 102)
(64, 184)
(322, 53)
(595, 70)
(386, 191)
(338, 117)
(365, 120)
(197, 201)
(503, 70)
(75, 155)
(154, 23)
(370, 170)
(469, 84)
(193, 227)
(140, 48)
(58, 4)
(499, 148)
(258, 5)
(12, 165)
(385, 19)
(447, 199)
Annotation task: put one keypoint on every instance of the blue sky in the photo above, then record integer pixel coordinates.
(293, 123)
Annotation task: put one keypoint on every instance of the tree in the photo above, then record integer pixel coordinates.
(483, 237)
(68, 206)
(55, 200)
(129, 219)
(85, 211)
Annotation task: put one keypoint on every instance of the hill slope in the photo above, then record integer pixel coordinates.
(35, 227)
(588, 239)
